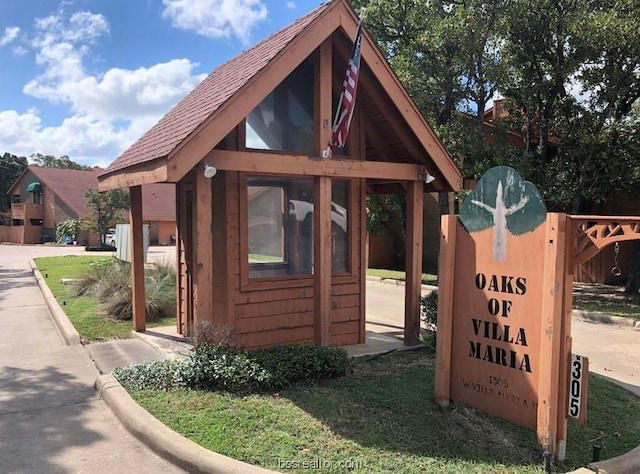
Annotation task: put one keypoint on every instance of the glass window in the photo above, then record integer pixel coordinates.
(339, 227)
(280, 227)
(284, 119)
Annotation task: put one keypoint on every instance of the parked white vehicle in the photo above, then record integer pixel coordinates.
(110, 238)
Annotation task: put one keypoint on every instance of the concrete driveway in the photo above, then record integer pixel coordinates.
(51, 418)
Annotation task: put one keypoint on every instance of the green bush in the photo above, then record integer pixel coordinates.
(287, 365)
(218, 368)
(68, 228)
(155, 375)
(429, 310)
(211, 367)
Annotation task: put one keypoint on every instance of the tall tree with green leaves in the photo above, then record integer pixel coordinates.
(50, 161)
(107, 210)
(11, 166)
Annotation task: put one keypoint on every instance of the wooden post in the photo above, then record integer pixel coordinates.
(322, 260)
(137, 259)
(551, 331)
(413, 262)
(565, 350)
(203, 271)
(323, 97)
(446, 273)
(364, 260)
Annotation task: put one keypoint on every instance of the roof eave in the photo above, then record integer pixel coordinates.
(154, 171)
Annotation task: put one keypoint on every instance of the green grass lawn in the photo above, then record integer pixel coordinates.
(382, 419)
(617, 305)
(84, 312)
(427, 278)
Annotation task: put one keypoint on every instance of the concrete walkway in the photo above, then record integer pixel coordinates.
(51, 418)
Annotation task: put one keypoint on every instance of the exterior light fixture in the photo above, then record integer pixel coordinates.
(429, 178)
(209, 171)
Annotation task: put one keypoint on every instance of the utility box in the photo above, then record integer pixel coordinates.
(123, 241)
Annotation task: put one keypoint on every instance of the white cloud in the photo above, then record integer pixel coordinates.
(216, 18)
(10, 33)
(20, 51)
(107, 111)
(291, 5)
(83, 138)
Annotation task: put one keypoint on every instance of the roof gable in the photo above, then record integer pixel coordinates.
(208, 96)
(182, 138)
(69, 186)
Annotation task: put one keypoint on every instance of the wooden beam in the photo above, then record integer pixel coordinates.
(413, 262)
(234, 110)
(298, 165)
(377, 140)
(137, 259)
(322, 260)
(551, 331)
(446, 277)
(152, 172)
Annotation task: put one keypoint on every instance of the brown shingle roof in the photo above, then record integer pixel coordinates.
(70, 186)
(208, 96)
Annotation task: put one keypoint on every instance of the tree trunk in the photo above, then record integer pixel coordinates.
(633, 281)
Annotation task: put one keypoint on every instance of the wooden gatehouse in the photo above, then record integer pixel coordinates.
(270, 227)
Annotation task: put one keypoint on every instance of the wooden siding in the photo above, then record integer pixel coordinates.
(280, 311)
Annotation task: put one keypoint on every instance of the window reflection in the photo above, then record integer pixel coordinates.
(284, 119)
(280, 227)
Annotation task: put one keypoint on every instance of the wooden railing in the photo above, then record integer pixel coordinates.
(25, 211)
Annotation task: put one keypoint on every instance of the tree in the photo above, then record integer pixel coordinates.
(107, 207)
(11, 166)
(50, 161)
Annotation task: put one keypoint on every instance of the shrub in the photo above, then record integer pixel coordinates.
(429, 310)
(211, 367)
(210, 333)
(155, 375)
(68, 228)
(287, 365)
(429, 316)
(218, 368)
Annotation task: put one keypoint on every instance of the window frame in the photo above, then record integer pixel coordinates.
(293, 281)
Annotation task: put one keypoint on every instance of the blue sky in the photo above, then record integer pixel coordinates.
(86, 78)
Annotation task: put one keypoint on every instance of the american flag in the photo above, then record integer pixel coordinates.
(348, 97)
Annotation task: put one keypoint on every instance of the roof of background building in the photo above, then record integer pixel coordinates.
(70, 187)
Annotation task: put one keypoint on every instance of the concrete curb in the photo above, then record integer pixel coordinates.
(391, 281)
(628, 463)
(165, 442)
(603, 318)
(60, 319)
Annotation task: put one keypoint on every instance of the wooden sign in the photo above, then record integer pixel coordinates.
(497, 349)
(578, 377)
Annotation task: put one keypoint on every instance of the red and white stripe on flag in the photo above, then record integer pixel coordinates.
(348, 99)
